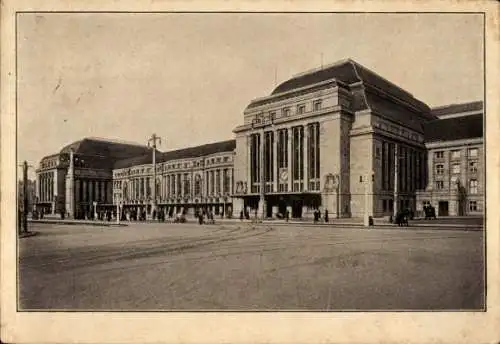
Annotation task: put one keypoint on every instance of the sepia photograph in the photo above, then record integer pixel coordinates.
(250, 162)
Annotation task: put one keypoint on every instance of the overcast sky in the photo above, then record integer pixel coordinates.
(188, 77)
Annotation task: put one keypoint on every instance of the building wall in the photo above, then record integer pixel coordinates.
(361, 167)
(442, 187)
(176, 184)
(334, 160)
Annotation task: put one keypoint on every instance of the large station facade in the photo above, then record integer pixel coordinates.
(340, 138)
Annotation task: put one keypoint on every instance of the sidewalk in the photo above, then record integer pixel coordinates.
(345, 222)
(80, 222)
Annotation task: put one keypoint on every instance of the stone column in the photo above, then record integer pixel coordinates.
(231, 181)
(52, 191)
(56, 181)
(221, 180)
(42, 187)
(275, 161)
(289, 158)
(70, 187)
(209, 183)
(305, 157)
(262, 201)
(37, 189)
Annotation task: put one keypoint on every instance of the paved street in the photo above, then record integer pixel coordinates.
(149, 266)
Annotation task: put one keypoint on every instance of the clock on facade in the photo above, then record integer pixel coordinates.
(283, 175)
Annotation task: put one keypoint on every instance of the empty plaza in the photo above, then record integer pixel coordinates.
(245, 266)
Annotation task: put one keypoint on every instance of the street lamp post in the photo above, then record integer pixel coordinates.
(368, 193)
(337, 191)
(152, 143)
(25, 167)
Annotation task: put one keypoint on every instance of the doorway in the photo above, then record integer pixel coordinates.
(443, 208)
(297, 208)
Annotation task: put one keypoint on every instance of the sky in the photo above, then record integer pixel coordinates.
(188, 77)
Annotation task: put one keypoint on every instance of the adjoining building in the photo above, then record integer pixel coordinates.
(340, 138)
(80, 174)
(188, 180)
(455, 148)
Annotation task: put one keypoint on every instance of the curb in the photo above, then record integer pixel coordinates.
(27, 234)
(276, 223)
(62, 222)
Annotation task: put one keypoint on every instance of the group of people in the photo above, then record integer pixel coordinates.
(429, 212)
(210, 217)
(317, 216)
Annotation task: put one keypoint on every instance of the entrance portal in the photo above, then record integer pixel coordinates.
(443, 208)
(297, 208)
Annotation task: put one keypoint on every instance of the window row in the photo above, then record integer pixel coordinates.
(410, 164)
(179, 185)
(456, 168)
(472, 187)
(455, 154)
(287, 111)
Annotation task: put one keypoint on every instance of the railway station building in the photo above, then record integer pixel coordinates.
(340, 138)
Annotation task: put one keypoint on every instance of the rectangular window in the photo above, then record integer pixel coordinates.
(212, 182)
(297, 157)
(472, 205)
(285, 112)
(317, 105)
(455, 169)
(255, 143)
(440, 169)
(217, 181)
(313, 155)
(473, 153)
(187, 185)
(473, 167)
(439, 184)
(268, 156)
(301, 109)
(226, 181)
(455, 154)
(179, 185)
(473, 186)
(439, 155)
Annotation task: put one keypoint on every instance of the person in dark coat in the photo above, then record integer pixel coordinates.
(326, 215)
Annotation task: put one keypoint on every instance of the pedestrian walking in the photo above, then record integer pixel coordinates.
(326, 215)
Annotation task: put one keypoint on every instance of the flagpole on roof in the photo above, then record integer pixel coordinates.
(275, 76)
